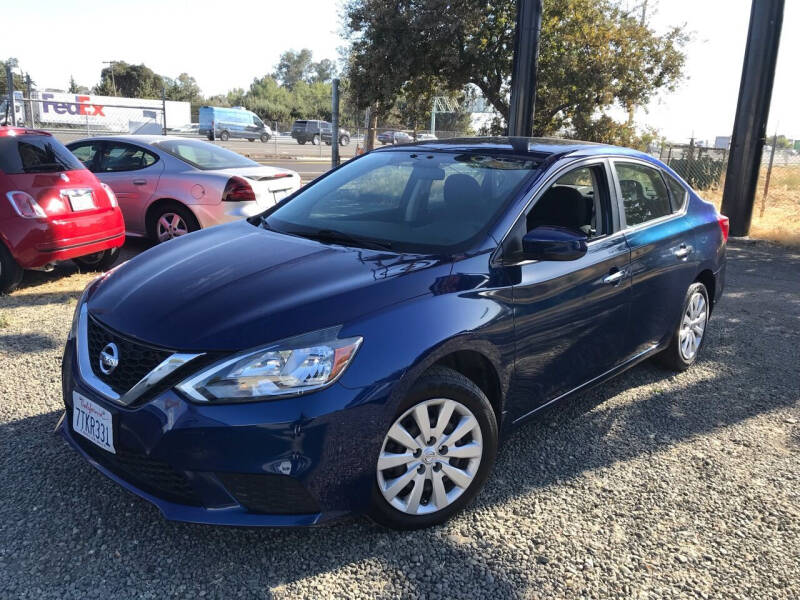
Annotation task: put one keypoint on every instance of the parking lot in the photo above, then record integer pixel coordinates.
(654, 485)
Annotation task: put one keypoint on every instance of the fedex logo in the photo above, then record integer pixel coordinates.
(81, 106)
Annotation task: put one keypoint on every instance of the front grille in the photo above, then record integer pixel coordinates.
(135, 358)
(270, 494)
(148, 474)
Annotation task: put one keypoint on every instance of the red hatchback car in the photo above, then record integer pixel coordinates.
(52, 208)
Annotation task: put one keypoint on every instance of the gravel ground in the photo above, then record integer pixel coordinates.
(652, 486)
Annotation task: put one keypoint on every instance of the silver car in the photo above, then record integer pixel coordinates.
(168, 186)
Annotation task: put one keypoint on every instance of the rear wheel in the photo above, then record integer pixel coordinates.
(689, 335)
(99, 261)
(170, 221)
(436, 454)
(301, 142)
(10, 272)
(224, 136)
(251, 139)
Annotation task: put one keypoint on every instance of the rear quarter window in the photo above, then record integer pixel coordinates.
(677, 192)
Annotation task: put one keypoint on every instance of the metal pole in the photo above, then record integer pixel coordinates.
(29, 87)
(335, 123)
(164, 109)
(433, 117)
(523, 71)
(752, 110)
(12, 116)
(769, 174)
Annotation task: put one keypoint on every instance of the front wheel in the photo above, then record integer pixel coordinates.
(344, 140)
(264, 137)
(99, 261)
(315, 140)
(10, 271)
(436, 454)
(689, 335)
(301, 142)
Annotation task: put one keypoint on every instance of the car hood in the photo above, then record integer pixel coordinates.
(238, 286)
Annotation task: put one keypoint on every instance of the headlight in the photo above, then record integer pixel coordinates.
(292, 366)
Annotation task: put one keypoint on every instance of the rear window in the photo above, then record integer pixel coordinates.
(203, 155)
(35, 154)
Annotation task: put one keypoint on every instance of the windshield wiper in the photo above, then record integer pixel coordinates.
(333, 235)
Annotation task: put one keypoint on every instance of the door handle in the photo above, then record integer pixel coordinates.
(614, 277)
(139, 182)
(683, 251)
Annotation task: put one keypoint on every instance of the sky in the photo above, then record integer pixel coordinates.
(226, 46)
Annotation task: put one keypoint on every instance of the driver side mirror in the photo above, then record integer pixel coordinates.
(553, 243)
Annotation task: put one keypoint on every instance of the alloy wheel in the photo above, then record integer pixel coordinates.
(170, 225)
(693, 326)
(430, 456)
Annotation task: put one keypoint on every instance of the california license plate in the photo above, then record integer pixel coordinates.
(92, 421)
(81, 200)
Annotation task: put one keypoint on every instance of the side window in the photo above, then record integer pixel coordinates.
(86, 153)
(374, 191)
(677, 192)
(575, 201)
(643, 193)
(125, 157)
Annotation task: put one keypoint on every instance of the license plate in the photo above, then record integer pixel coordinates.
(93, 422)
(81, 200)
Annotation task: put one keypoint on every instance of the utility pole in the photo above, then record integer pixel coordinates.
(334, 123)
(752, 111)
(11, 117)
(110, 63)
(523, 72)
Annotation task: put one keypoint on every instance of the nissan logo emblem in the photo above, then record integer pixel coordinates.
(109, 358)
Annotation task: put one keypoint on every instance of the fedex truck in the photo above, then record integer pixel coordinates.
(62, 110)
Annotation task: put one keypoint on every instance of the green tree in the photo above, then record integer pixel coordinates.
(594, 55)
(74, 88)
(130, 81)
(182, 88)
(293, 67)
(19, 80)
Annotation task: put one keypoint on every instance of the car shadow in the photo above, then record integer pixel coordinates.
(74, 521)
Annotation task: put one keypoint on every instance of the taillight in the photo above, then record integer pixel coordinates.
(25, 205)
(238, 190)
(724, 226)
(112, 197)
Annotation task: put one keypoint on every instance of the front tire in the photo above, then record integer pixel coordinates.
(301, 142)
(99, 261)
(344, 140)
(436, 454)
(10, 272)
(315, 140)
(264, 137)
(689, 335)
(169, 221)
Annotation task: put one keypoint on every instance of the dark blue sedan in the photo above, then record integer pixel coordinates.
(364, 346)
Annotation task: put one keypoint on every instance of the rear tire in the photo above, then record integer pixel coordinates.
(170, 220)
(689, 335)
(10, 272)
(438, 484)
(251, 139)
(99, 261)
(224, 136)
(301, 142)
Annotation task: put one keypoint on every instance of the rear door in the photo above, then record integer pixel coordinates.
(663, 258)
(570, 317)
(133, 173)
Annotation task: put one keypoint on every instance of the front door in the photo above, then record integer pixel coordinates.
(570, 317)
(133, 173)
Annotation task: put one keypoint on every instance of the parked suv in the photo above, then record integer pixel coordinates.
(314, 131)
(344, 135)
(51, 208)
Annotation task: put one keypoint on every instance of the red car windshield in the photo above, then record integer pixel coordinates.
(35, 154)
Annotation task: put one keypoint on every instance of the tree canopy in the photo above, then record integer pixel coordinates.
(593, 56)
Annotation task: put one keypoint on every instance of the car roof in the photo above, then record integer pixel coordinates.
(8, 131)
(534, 147)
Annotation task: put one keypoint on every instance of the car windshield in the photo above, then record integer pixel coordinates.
(35, 154)
(428, 202)
(203, 155)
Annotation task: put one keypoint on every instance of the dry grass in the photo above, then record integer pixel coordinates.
(780, 222)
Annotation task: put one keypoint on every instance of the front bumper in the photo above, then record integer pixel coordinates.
(293, 462)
